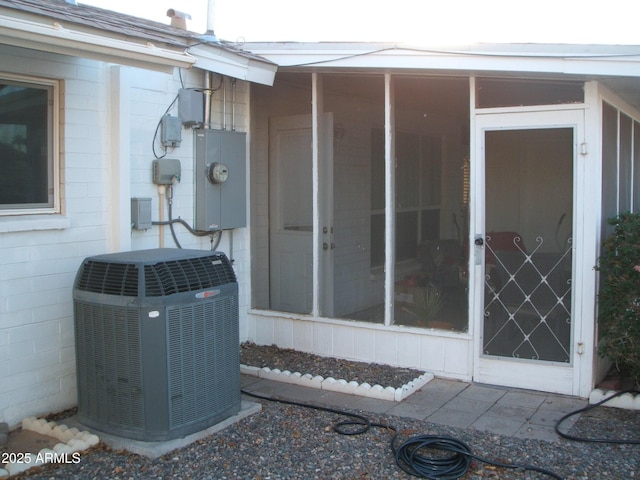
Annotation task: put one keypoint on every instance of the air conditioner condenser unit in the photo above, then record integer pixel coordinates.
(157, 342)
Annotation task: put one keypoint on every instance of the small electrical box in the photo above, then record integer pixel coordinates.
(166, 171)
(141, 213)
(190, 107)
(171, 131)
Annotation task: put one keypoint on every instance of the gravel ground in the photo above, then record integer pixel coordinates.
(295, 361)
(290, 442)
(286, 442)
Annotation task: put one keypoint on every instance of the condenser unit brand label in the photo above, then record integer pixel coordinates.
(208, 294)
(154, 314)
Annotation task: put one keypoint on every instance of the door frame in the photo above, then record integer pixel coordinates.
(544, 376)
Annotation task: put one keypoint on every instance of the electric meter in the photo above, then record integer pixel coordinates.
(218, 172)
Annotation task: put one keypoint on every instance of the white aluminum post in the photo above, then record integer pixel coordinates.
(390, 199)
(316, 109)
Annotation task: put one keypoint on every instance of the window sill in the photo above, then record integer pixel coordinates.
(29, 223)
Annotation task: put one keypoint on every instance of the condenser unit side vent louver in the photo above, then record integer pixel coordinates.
(165, 363)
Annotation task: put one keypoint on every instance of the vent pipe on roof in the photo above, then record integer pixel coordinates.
(209, 36)
(211, 6)
(178, 19)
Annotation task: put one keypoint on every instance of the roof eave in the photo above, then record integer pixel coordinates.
(53, 37)
(237, 66)
(48, 35)
(544, 59)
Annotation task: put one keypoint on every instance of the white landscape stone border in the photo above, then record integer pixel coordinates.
(72, 441)
(626, 400)
(331, 384)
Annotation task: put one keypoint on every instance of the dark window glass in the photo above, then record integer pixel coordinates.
(498, 92)
(25, 154)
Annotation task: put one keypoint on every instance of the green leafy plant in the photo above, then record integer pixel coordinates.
(427, 303)
(619, 297)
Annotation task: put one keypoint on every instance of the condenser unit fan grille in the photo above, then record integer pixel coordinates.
(109, 278)
(161, 279)
(167, 278)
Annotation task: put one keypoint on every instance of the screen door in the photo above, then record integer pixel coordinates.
(526, 248)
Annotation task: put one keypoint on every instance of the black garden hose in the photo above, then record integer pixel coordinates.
(591, 407)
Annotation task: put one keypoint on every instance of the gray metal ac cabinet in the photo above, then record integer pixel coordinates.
(220, 206)
(157, 343)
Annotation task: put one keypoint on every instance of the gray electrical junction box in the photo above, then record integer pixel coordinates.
(141, 213)
(190, 107)
(171, 131)
(220, 176)
(165, 171)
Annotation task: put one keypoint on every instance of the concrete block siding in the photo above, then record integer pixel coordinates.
(107, 125)
(41, 254)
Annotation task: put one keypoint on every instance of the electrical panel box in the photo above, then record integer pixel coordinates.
(220, 176)
(141, 213)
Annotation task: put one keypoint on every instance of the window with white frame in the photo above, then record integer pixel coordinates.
(28, 159)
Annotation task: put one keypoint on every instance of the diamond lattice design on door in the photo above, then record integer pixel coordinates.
(527, 300)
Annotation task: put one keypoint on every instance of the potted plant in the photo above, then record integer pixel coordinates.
(619, 296)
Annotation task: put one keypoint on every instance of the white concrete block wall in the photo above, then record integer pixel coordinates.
(100, 105)
(41, 254)
(152, 93)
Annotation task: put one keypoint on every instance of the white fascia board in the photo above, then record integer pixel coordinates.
(237, 66)
(483, 61)
(58, 39)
